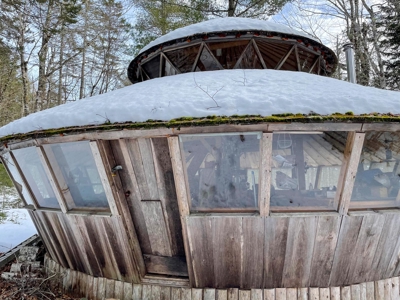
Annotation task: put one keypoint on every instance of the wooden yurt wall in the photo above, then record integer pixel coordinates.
(98, 246)
(151, 230)
(294, 251)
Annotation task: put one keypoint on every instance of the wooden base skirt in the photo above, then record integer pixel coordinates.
(82, 285)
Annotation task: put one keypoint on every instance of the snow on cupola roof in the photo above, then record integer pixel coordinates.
(222, 93)
(232, 43)
(226, 25)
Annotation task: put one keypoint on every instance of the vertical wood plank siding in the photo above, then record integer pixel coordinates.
(80, 284)
(97, 246)
(247, 252)
(298, 251)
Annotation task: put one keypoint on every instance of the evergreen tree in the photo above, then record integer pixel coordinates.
(157, 17)
(260, 9)
(106, 34)
(390, 43)
(10, 86)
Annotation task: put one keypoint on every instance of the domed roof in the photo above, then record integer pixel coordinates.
(232, 43)
(226, 25)
(221, 93)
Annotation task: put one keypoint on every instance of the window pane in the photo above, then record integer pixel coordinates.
(206, 61)
(31, 166)
(20, 185)
(305, 170)
(378, 175)
(168, 68)
(228, 53)
(78, 170)
(184, 58)
(250, 59)
(152, 67)
(222, 170)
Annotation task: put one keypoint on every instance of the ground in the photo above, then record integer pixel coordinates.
(35, 286)
(15, 223)
(15, 227)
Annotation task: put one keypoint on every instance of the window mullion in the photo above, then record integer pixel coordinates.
(103, 176)
(352, 153)
(52, 179)
(265, 173)
(24, 181)
(179, 176)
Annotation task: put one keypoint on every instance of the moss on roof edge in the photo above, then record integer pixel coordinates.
(213, 120)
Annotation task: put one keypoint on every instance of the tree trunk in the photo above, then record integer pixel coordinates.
(42, 80)
(85, 29)
(60, 71)
(231, 8)
(23, 64)
(380, 72)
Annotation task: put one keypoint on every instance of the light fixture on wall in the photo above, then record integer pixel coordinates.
(115, 169)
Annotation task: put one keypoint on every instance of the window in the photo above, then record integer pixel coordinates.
(305, 170)
(168, 68)
(19, 183)
(222, 170)
(184, 58)
(31, 166)
(152, 67)
(75, 169)
(206, 61)
(228, 53)
(377, 181)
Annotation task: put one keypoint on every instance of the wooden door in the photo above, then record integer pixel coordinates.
(148, 184)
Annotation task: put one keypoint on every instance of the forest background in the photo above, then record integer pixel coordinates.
(53, 52)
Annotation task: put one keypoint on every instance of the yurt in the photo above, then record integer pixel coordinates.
(233, 167)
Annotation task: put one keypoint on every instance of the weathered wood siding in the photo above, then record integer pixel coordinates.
(293, 251)
(94, 245)
(148, 183)
(93, 288)
(240, 251)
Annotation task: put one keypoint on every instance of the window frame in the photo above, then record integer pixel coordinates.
(374, 204)
(308, 209)
(36, 203)
(23, 179)
(250, 210)
(63, 189)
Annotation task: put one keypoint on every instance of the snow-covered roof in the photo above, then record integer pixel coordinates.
(225, 92)
(226, 24)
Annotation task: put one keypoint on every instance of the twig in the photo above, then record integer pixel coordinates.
(105, 117)
(208, 94)
(48, 278)
(244, 78)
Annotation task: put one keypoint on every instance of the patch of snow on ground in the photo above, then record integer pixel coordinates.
(225, 92)
(17, 226)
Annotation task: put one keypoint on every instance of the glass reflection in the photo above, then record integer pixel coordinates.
(222, 170)
(31, 166)
(19, 183)
(377, 181)
(206, 61)
(73, 163)
(305, 170)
